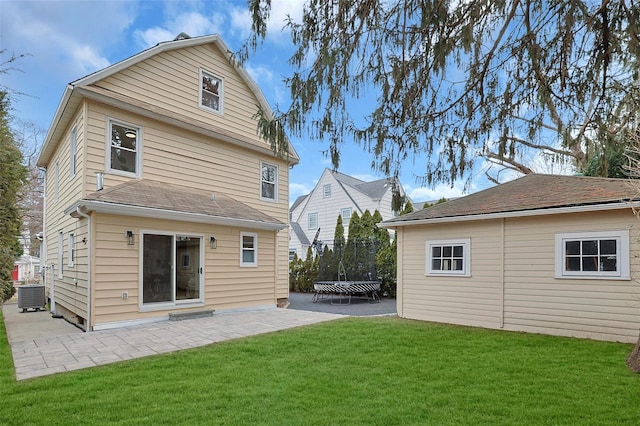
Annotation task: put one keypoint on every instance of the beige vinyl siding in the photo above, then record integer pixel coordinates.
(226, 284)
(536, 301)
(180, 157)
(474, 300)
(154, 81)
(185, 158)
(70, 290)
(533, 300)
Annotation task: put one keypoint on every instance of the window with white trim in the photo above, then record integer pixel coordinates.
(448, 257)
(210, 92)
(268, 182)
(124, 148)
(346, 215)
(326, 191)
(248, 249)
(60, 253)
(312, 221)
(73, 154)
(593, 255)
(72, 245)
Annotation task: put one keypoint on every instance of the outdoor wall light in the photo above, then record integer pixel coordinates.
(213, 243)
(131, 238)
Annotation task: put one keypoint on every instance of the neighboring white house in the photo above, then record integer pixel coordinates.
(336, 194)
(27, 268)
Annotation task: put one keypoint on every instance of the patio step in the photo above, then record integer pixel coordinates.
(179, 316)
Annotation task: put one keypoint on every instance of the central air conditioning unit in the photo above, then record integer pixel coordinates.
(31, 296)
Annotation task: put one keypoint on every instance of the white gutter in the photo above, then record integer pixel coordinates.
(512, 214)
(148, 212)
(46, 146)
(88, 217)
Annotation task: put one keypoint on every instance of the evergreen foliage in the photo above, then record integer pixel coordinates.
(13, 175)
(460, 82)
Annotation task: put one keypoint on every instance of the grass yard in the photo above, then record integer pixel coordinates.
(382, 371)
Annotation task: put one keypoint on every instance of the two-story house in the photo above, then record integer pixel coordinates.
(336, 194)
(160, 195)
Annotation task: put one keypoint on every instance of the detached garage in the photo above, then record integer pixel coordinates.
(544, 254)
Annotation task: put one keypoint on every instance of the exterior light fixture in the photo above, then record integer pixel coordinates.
(213, 243)
(131, 238)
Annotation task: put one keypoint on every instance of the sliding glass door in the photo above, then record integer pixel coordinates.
(171, 268)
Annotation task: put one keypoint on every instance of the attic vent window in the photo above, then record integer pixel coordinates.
(210, 92)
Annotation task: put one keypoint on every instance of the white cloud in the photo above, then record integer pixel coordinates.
(152, 36)
(262, 75)
(280, 9)
(191, 23)
(298, 189)
(240, 21)
(87, 57)
(422, 194)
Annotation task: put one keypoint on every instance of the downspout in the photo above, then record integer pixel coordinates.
(44, 249)
(88, 217)
(502, 263)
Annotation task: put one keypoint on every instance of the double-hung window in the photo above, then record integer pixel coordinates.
(346, 214)
(312, 221)
(448, 257)
(268, 182)
(248, 249)
(210, 92)
(326, 191)
(593, 255)
(124, 149)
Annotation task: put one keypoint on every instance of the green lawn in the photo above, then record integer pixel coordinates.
(353, 371)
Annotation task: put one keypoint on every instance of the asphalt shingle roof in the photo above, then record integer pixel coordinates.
(374, 189)
(162, 196)
(531, 192)
(297, 229)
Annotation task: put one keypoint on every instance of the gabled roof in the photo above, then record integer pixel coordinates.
(297, 202)
(532, 194)
(145, 198)
(72, 95)
(374, 189)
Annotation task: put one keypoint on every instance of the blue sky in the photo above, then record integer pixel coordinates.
(66, 40)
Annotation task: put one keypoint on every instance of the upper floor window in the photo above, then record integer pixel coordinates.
(346, 214)
(313, 221)
(210, 92)
(593, 255)
(248, 249)
(449, 257)
(74, 148)
(268, 182)
(326, 191)
(124, 151)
